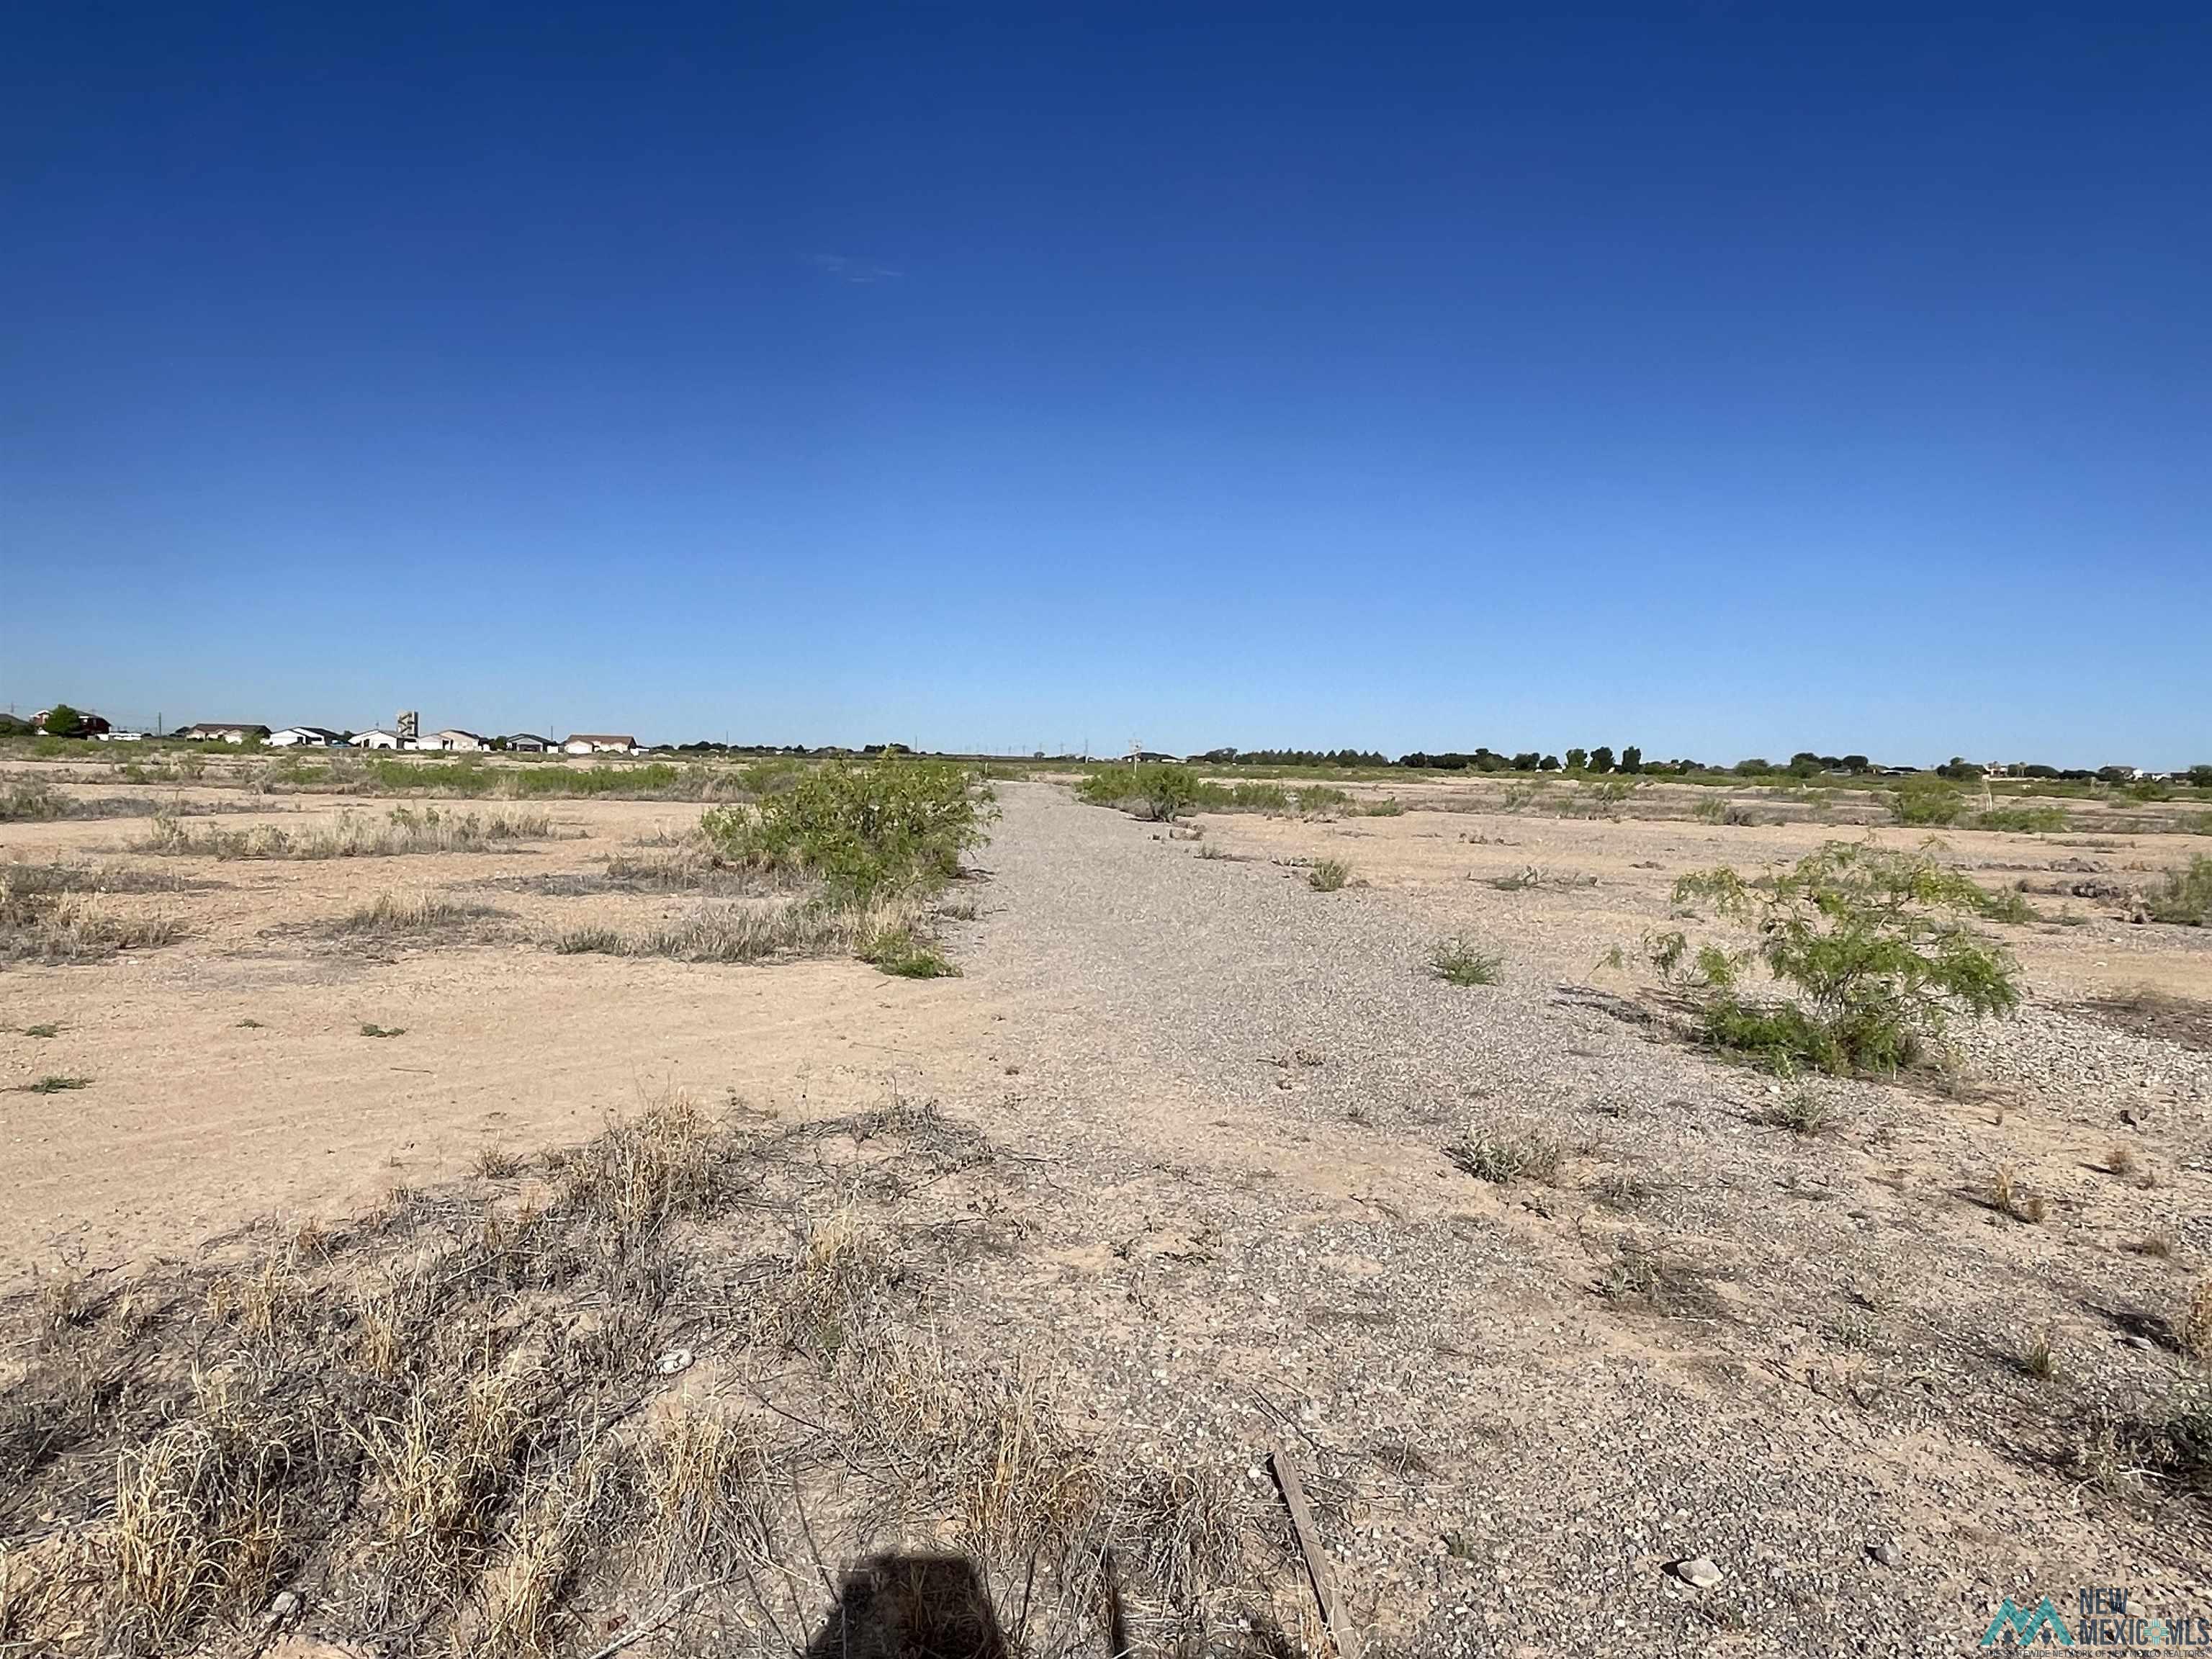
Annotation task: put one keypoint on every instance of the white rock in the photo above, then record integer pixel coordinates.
(1699, 1572)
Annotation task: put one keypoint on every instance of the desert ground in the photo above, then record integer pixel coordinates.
(1173, 1151)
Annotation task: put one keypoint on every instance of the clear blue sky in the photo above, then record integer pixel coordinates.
(1725, 379)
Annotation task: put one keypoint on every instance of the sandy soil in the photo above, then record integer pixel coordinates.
(195, 1123)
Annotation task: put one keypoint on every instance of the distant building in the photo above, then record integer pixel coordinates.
(309, 737)
(87, 725)
(528, 743)
(379, 739)
(600, 743)
(453, 740)
(224, 732)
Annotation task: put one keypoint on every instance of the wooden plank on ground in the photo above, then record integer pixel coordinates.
(1301, 1522)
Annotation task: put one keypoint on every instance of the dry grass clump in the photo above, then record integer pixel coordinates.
(642, 1173)
(43, 919)
(494, 1163)
(440, 1468)
(2007, 1194)
(888, 931)
(402, 831)
(412, 915)
(1505, 1159)
(705, 1478)
(202, 1514)
(691, 864)
(829, 1290)
(1802, 1110)
(2193, 1330)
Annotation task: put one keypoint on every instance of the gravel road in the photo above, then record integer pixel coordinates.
(1526, 1405)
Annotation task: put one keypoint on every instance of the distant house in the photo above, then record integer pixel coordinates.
(311, 737)
(528, 743)
(87, 725)
(224, 732)
(600, 743)
(452, 739)
(379, 738)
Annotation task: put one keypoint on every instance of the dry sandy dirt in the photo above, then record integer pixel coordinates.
(1225, 1100)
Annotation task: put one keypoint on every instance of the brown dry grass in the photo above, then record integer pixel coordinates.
(439, 1424)
(61, 913)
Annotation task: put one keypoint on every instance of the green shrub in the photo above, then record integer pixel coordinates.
(1873, 941)
(2186, 897)
(2024, 820)
(32, 798)
(1329, 875)
(1163, 792)
(898, 951)
(1459, 961)
(1320, 797)
(892, 825)
(654, 778)
(1926, 802)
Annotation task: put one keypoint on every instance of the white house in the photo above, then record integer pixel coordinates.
(310, 737)
(379, 738)
(600, 743)
(452, 739)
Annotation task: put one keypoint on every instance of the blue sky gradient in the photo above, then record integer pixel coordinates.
(1724, 380)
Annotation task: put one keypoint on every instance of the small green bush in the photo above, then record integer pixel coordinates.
(57, 1084)
(1164, 791)
(1329, 875)
(2186, 898)
(1926, 804)
(2024, 820)
(898, 952)
(1161, 792)
(1504, 1159)
(890, 826)
(1459, 961)
(1873, 941)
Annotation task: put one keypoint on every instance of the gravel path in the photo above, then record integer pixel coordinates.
(1806, 1370)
